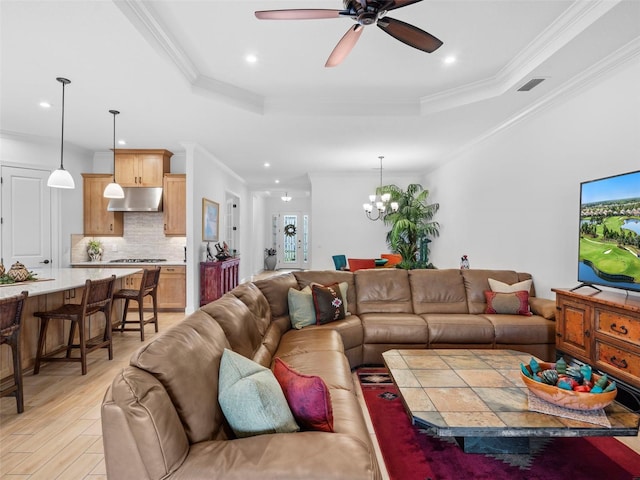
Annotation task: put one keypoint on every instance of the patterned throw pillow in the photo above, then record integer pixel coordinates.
(307, 396)
(251, 398)
(328, 303)
(516, 303)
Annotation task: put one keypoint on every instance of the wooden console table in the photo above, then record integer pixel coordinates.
(217, 278)
(601, 329)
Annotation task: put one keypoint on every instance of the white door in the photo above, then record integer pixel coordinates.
(26, 217)
(295, 241)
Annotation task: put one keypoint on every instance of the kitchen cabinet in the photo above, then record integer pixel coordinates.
(97, 220)
(602, 330)
(174, 199)
(217, 278)
(141, 168)
(172, 287)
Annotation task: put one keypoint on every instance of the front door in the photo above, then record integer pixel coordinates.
(295, 241)
(26, 217)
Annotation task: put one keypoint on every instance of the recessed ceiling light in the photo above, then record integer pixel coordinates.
(251, 58)
(267, 164)
(45, 104)
(122, 142)
(450, 59)
(277, 181)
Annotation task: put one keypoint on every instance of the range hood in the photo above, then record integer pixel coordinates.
(138, 199)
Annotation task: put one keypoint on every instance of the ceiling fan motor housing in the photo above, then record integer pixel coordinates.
(367, 18)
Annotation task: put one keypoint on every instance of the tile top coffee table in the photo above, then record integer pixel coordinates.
(477, 397)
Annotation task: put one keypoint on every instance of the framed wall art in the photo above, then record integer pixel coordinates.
(210, 220)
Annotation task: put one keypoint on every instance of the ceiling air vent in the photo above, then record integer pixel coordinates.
(534, 82)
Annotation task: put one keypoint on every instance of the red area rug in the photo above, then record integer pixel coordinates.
(410, 453)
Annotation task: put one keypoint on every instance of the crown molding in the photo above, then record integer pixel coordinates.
(574, 20)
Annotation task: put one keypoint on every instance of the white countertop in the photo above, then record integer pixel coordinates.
(63, 279)
(168, 263)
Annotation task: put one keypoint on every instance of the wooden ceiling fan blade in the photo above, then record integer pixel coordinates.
(344, 46)
(399, 4)
(409, 35)
(298, 14)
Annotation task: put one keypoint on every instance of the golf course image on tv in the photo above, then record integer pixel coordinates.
(609, 250)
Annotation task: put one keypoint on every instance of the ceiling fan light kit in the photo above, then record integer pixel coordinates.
(363, 12)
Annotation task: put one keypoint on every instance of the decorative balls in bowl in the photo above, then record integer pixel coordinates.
(574, 387)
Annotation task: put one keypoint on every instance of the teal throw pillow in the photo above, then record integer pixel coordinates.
(302, 313)
(251, 398)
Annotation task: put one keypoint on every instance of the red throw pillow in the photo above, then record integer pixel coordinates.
(328, 303)
(516, 303)
(308, 397)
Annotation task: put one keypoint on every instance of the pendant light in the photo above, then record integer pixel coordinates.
(113, 190)
(61, 178)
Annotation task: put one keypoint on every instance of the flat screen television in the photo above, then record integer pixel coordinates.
(609, 248)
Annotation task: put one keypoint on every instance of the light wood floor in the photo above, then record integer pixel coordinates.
(59, 435)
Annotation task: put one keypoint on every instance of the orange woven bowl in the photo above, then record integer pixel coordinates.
(568, 398)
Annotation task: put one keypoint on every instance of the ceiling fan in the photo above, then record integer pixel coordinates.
(364, 12)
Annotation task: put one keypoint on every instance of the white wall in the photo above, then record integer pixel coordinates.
(32, 152)
(208, 178)
(513, 201)
(338, 223)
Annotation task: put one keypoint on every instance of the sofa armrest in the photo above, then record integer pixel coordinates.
(283, 456)
(141, 431)
(544, 307)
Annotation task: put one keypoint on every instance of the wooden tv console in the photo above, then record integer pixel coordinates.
(601, 329)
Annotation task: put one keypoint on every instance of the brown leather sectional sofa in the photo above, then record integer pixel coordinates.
(161, 417)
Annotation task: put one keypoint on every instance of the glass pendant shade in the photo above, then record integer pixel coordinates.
(113, 190)
(61, 178)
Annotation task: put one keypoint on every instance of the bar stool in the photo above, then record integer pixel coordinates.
(148, 287)
(97, 297)
(10, 323)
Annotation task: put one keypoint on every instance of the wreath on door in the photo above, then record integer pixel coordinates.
(290, 230)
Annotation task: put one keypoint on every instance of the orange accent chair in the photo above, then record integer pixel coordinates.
(394, 259)
(361, 263)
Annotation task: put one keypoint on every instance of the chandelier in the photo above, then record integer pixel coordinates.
(379, 204)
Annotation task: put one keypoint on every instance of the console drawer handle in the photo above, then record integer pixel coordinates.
(622, 364)
(621, 330)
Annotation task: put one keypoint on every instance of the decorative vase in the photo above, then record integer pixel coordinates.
(95, 255)
(270, 262)
(18, 272)
(464, 263)
(1, 269)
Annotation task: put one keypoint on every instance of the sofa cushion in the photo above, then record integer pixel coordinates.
(256, 302)
(241, 327)
(251, 398)
(328, 303)
(308, 397)
(520, 330)
(458, 328)
(437, 291)
(383, 290)
(516, 303)
(275, 290)
(192, 385)
(394, 328)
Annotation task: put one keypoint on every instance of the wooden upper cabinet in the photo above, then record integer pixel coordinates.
(175, 204)
(141, 168)
(97, 219)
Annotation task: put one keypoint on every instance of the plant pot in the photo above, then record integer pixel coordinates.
(270, 262)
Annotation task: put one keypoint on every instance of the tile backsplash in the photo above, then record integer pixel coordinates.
(143, 238)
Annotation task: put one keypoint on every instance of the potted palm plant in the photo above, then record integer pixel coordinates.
(411, 224)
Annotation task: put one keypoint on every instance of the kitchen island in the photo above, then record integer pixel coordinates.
(54, 287)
